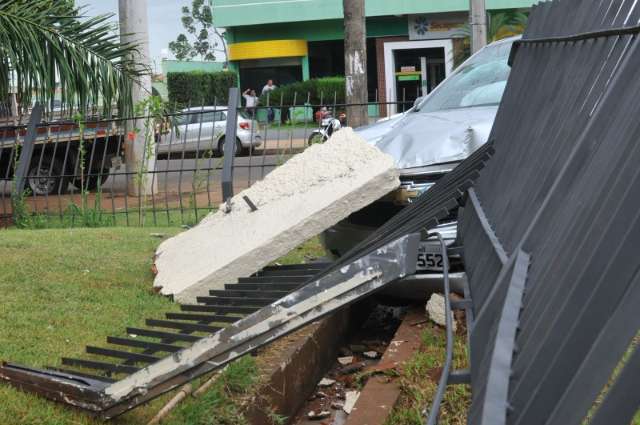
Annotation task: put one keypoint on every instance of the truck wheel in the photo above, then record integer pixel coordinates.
(45, 178)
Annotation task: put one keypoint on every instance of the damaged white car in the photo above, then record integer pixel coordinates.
(428, 141)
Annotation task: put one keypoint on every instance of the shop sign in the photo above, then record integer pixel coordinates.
(422, 27)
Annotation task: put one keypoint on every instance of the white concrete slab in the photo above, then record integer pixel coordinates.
(308, 194)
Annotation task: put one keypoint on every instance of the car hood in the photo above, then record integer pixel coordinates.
(420, 139)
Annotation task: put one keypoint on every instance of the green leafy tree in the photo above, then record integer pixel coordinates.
(47, 45)
(198, 21)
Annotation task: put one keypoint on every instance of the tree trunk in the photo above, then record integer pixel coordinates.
(478, 17)
(355, 62)
(140, 159)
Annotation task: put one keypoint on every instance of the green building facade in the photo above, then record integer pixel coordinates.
(411, 44)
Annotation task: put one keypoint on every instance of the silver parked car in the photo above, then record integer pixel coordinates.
(203, 129)
(428, 141)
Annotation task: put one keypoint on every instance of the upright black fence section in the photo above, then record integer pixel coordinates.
(80, 174)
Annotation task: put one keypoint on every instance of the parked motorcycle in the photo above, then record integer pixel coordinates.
(328, 125)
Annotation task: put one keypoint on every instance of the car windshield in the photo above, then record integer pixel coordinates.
(478, 82)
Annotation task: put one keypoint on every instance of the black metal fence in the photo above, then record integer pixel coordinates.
(156, 170)
(550, 230)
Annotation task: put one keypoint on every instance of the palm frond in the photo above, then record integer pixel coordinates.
(501, 25)
(46, 46)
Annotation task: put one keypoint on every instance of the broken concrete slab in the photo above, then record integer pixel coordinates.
(309, 193)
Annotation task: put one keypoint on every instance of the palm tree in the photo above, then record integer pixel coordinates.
(46, 45)
(501, 25)
(506, 24)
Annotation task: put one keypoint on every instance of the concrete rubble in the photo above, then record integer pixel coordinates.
(346, 360)
(318, 415)
(311, 192)
(436, 310)
(326, 382)
(350, 400)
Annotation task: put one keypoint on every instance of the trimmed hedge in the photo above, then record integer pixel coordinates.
(197, 88)
(315, 91)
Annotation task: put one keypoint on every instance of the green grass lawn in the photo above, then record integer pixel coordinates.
(420, 376)
(66, 288)
(63, 289)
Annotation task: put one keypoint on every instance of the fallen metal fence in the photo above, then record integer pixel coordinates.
(72, 172)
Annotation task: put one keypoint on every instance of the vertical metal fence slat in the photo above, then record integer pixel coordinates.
(279, 153)
(182, 153)
(173, 125)
(109, 134)
(210, 154)
(151, 135)
(292, 121)
(265, 147)
(119, 135)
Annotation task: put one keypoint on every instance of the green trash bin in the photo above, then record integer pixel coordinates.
(301, 114)
(261, 115)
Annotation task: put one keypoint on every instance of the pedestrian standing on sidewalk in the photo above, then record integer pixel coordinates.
(251, 101)
(269, 87)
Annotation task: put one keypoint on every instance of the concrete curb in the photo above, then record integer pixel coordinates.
(294, 365)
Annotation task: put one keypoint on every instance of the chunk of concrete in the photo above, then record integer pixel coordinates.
(350, 399)
(311, 192)
(326, 382)
(345, 360)
(436, 310)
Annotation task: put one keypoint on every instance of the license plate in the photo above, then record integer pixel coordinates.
(429, 258)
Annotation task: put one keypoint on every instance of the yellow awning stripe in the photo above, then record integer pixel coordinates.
(267, 49)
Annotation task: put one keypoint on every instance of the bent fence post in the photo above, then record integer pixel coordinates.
(230, 144)
(22, 167)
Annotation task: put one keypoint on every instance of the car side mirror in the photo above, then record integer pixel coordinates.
(418, 101)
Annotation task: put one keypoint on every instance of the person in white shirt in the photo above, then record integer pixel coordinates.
(269, 87)
(266, 89)
(251, 101)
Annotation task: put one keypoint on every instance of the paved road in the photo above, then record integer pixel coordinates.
(203, 174)
(286, 133)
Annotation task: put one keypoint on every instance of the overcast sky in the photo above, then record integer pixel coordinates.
(164, 22)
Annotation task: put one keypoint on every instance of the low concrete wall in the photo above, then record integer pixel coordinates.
(299, 362)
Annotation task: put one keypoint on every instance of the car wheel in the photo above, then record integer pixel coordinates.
(45, 177)
(237, 150)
